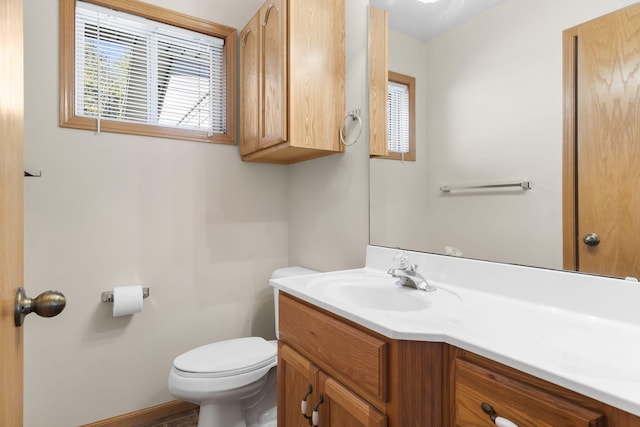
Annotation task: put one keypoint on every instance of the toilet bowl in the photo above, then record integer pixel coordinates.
(233, 381)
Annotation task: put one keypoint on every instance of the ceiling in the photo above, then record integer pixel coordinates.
(427, 20)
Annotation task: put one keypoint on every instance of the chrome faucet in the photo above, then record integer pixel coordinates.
(408, 275)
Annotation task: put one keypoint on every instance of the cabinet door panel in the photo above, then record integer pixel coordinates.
(343, 408)
(317, 73)
(250, 87)
(295, 374)
(378, 81)
(273, 87)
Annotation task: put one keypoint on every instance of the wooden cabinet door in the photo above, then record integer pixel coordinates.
(250, 85)
(295, 375)
(317, 74)
(343, 408)
(378, 81)
(273, 73)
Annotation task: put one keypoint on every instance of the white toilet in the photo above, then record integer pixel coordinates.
(233, 381)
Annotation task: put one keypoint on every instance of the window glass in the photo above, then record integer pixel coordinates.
(398, 117)
(147, 74)
(401, 117)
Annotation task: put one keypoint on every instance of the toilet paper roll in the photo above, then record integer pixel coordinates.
(127, 300)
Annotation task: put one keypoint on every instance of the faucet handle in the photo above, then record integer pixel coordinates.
(401, 260)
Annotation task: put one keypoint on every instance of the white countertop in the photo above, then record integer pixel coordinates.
(577, 331)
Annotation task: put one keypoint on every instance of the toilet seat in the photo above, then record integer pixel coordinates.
(227, 358)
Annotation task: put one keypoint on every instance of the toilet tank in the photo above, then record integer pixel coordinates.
(287, 272)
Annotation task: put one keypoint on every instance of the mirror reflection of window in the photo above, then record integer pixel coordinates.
(401, 117)
(398, 115)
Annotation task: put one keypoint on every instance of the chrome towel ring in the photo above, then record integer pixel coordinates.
(354, 116)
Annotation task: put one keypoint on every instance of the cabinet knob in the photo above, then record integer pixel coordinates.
(499, 421)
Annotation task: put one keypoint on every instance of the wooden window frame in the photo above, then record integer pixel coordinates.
(410, 82)
(68, 117)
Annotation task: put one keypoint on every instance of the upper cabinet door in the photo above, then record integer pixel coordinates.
(273, 76)
(250, 87)
(317, 74)
(378, 81)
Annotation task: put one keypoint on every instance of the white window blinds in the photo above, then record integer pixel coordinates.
(398, 117)
(136, 70)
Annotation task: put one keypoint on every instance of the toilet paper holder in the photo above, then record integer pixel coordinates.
(107, 296)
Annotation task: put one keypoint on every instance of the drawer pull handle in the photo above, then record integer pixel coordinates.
(245, 37)
(266, 15)
(499, 421)
(303, 404)
(315, 416)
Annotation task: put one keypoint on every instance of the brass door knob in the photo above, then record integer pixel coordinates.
(591, 239)
(47, 304)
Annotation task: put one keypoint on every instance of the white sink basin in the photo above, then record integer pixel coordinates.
(369, 291)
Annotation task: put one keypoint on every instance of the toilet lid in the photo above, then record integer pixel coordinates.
(226, 358)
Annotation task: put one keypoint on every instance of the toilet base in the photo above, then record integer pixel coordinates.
(228, 414)
(262, 410)
(258, 411)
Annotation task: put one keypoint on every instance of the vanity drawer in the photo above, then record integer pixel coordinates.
(514, 400)
(355, 357)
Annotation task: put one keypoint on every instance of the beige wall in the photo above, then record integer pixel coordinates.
(189, 220)
(493, 111)
(204, 230)
(329, 197)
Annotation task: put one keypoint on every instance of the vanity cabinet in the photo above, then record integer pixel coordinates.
(365, 379)
(292, 81)
(369, 380)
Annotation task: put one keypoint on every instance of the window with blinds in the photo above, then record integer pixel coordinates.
(135, 74)
(401, 117)
(398, 117)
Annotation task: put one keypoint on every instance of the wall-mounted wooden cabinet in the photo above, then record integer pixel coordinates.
(292, 81)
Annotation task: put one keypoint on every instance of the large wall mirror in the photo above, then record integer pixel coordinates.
(489, 110)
